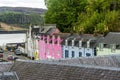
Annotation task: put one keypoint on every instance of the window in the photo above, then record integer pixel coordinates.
(58, 52)
(88, 54)
(48, 52)
(101, 46)
(113, 47)
(66, 54)
(73, 54)
(80, 54)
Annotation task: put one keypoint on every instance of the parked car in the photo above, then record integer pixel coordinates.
(11, 57)
(18, 52)
(1, 50)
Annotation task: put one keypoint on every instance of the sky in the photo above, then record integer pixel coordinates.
(23, 3)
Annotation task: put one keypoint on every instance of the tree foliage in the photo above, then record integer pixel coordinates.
(88, 16)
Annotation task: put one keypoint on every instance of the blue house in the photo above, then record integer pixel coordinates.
(80, 46)
(69, 48)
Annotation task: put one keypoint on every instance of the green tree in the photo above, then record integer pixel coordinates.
(86, 16)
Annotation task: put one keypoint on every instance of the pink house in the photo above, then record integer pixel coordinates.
(50, 47)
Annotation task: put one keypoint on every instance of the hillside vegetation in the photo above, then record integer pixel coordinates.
(22, 10)
(21, 16)
(86, 16)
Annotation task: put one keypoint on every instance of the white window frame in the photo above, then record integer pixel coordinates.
(101, 45)
(113, 48)
(66, 42)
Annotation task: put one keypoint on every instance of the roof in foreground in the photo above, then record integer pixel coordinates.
(45, 70)
(8, 76)
(5, 66)
(103, 61)
(92, 68)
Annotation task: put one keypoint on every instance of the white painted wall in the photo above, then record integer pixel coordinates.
(107, 51)
(12, 38)
(77, 50)
(89, 50)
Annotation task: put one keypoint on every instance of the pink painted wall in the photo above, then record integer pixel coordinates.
(50, 50)
(42, 49)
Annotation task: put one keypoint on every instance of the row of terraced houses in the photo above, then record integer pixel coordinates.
(50, 43)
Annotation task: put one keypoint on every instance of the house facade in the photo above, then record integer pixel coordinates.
(50, 47)
(79, 46)
(110, 44)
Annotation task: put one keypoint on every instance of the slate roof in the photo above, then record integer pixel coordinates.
(84, 37)
(41, 70)
(45, 28)
(92, 68)
(5, 66)
(8, 76)
(63, 35)
(106, 61)
(112, 38)
(52, 31)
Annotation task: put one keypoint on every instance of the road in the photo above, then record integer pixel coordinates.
(8, 53)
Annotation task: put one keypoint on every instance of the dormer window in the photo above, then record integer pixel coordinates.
(66, 42)
(113, 47)
(53, 39)
(88, 44)
(101, 46)
(58, 40)
(80, 43)
(48, 38)
(72, 43)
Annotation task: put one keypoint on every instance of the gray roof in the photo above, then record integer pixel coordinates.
(106, 61)
(63, 35)
(46, 70)
(5, 66)
(92, 68)
(52, 31)
(45, 28)
(84, 37)
(112, 38)
(8, 76)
